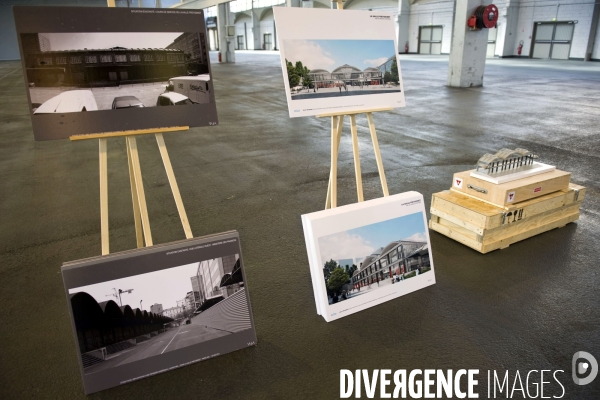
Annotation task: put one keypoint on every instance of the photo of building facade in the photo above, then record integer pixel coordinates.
(173, 312)
(156, 309)
(348, 273)
(396, 260)
(339, 67)
(347, 75)
(216, 280)
(100, 67)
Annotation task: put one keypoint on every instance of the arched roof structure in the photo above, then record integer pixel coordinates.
(87, 313)
(127, 312)
(112, 311)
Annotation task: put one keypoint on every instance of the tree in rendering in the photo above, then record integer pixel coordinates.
(328, 268)
(387, 77)
(337, 279)
(302, 72)
(307, 81)
(293, 77)
(394, 72)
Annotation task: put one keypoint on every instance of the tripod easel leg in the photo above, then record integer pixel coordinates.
(377, 154)
(139, 236)
(359, 187)
(334, 157)
(139, 188)
(102, 153)
(340, 124)
(174, 188)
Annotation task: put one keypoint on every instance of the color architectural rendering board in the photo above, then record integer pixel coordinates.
(364, 254)
(338, 61)
(95, 70)
(143, 312)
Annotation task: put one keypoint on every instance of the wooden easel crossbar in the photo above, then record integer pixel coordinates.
(138, 197)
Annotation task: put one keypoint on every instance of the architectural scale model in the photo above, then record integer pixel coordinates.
(504, 160)
(509, 197)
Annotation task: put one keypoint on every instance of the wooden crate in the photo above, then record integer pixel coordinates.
(486, 227)
(511, 192)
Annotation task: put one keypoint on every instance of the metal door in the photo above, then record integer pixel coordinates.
(267, 40)
(552, 40)
(491, 47)
(430, 40)
(240, 42)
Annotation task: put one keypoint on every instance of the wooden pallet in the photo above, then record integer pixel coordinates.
(486, 227)
(504, 194)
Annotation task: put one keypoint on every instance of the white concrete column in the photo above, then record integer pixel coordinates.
(403, 23)
(593, 32)
(506, 45)
(468, 51)
(256, 29)
(293, 3)
(226, 44)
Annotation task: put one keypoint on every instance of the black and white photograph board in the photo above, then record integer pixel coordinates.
(139, 313)
(364, 254)
(338, 61)
(95, 70)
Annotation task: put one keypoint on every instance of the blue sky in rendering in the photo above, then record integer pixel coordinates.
(361, 242)
(330, 54)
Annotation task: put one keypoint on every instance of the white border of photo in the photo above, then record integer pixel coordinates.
(307, 23)
(327, 222)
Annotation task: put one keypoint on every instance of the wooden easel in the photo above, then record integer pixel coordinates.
(337, 122)
(140, 211)
(138, 197)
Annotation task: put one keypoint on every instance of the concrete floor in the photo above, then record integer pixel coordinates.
(531, 306)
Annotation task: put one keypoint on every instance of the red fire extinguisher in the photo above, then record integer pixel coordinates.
(406, 48)
(220, 57)
(520, 47)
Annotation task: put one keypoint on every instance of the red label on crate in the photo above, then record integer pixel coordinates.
(537, 189)
(511, 197)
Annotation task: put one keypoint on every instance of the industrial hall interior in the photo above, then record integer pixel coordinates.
(482, 89)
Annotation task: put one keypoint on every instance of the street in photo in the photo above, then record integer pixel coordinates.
(130, 319)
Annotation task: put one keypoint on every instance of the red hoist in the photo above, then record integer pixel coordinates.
(484, 17)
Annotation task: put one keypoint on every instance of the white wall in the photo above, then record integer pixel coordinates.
(240, 31)
(511, 29)
(379, 5)
(431, 14)
(546, 11)
(267, 25)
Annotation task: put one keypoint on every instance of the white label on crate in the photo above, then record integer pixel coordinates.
(511, 197)
(458, 182)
